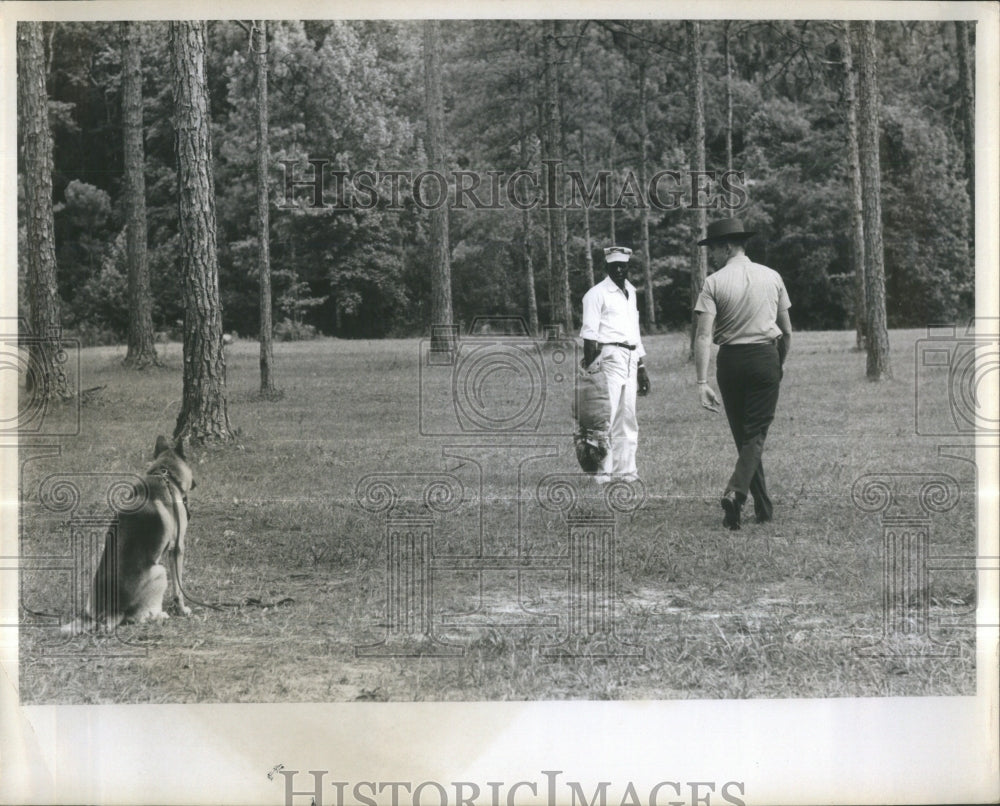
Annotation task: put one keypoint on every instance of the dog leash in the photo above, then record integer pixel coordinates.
(248, 601)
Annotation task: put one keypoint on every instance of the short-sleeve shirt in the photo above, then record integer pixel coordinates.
(611, 318)
(745, 298)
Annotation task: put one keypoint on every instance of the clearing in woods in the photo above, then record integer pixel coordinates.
(297, 567)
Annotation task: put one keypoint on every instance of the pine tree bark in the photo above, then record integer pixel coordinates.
(967, 107)
(563, 215)
(876, 336)
(562, 304)
(647, 266)
(857, 215)
(259, 45)
(699, 258)
(588, 240)
(204, 415)
(728, 56)
(141, 341)
(45, 381)
(550, 266)
(529, 267)
(529, 272)
(612, 140)
(441, 304)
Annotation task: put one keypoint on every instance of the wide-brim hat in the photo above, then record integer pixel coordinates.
(725, 230)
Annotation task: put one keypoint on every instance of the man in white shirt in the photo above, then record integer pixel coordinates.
(743, 307)
(610, 333)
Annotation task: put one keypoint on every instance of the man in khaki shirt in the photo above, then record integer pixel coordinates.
(743, 307)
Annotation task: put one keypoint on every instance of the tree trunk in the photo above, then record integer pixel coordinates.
(204, 416)
(441, 308)
(613, 195)
(877, 336)
(589, 246)
(967, 107)
(612, 138)
(529, 272)
(141, 342)
(46, 380)
(550, 291)
(263, 213)
(563, 215)
(550, 272)
(647, 266)
(529, 267)
(729, 94)
(699, 258)
(562, 304)
(857, 216)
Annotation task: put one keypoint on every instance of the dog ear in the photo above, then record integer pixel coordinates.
(179, 447)
(161, 446)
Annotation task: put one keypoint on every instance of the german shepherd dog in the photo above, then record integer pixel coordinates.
(130, 581)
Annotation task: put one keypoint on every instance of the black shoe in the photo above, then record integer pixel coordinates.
(731, 505)
(764, 518)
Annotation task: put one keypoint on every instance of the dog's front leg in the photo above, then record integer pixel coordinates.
(177, 575)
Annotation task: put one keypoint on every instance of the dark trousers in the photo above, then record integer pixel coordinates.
(749, 376)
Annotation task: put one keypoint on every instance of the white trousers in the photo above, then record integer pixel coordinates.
(620, 370)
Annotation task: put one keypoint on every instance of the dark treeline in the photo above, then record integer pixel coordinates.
(353, 94)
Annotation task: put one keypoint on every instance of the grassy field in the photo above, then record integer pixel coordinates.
(297, 568)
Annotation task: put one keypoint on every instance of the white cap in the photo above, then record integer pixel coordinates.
(617, 254)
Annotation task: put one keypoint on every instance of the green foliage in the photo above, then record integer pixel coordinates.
(929, 271)
(352, 93)
(85, 255)
(334, 90)
(104, 296)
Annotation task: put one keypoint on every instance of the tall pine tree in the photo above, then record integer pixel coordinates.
(141, 346)
(45, 381)
(204, 415)
(440, 248)
(877, 336)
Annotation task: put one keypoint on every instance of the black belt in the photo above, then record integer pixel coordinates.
(771, 343)
(618, 344)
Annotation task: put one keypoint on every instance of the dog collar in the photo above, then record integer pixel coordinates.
(172, 479)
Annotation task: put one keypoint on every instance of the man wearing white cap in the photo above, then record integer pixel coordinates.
(610, 333)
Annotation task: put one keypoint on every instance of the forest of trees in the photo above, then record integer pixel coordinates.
(502, 96)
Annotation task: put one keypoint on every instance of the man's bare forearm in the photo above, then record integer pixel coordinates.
(702, 353)
(784, 345)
